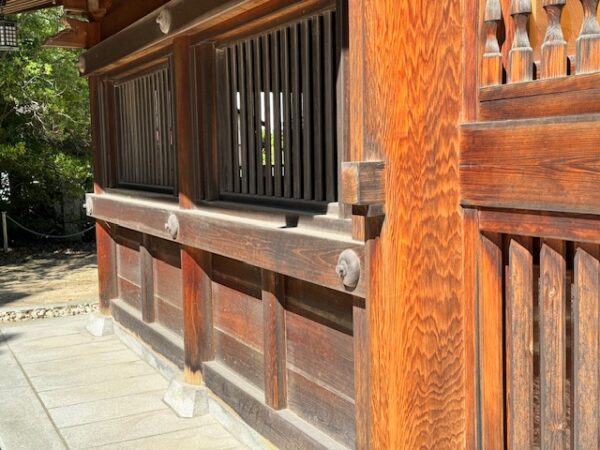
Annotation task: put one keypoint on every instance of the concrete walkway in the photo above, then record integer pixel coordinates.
(60, 387)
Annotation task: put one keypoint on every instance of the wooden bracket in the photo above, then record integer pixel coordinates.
(94, 9)
(78, 34)
(363, 183)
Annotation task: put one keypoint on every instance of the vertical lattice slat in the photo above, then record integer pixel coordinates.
(330, 103)
(521, 53)
(268, 107)
(586, 317)
(307, 110)
(234, 125)
(519, 337)
(552, 301)
(242, 69)
(491, 71)
(588, 42)
(317, 98)
(277, 144)
(258, 108)
(491, 345)
(297, 111)
(554, 48)
(250, 114)
(287, 113)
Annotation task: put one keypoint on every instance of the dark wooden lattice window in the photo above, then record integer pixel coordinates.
(145, 128)
(278, 115)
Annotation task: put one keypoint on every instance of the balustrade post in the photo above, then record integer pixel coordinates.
(554, 48)
(588, 42)
(491, 73)
(521, 53)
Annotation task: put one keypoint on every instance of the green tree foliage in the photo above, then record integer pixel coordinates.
(44, 125)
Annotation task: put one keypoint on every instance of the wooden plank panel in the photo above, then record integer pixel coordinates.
(128, 264)
(238, 315)
(519, 337)
(244, 360)
(237, 275)
(169, 316)
(273, 299)
(322, 408)
(324, 353)
(491, 345)
(586, 316)
(130, 293)
(167, 282)
(557, 167)
(552, 304)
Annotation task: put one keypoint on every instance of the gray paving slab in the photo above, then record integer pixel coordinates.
(106, 409)
(209, 437)
(128, 428)
(61, 388)
(103, 390)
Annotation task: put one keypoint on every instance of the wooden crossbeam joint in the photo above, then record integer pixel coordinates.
(77, 34)
(363, 183)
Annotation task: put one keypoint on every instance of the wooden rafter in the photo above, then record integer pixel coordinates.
(77, 34)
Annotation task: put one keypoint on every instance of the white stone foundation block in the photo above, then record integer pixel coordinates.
(99, 325)
(187, 400)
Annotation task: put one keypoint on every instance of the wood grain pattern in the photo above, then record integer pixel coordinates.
(586, 315)
(198, 339)
(561, 174)
(554, 48)
(363, 182)
(519, 337)
(491, 70)
(552, 304)
(415, 282)
(107, 266)
(273, 299)
(588, 42)
(290, 251)
(520, 64)
(491, 345)
(147, 281)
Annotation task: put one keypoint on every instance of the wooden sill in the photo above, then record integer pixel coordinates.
(259, 239)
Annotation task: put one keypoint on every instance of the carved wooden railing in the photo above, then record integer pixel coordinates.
(554, 61)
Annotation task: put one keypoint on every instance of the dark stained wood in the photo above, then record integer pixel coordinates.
(239, 316)
(316, 27)
(586, 300)
(363, 182)
(307, 93)
(296, 90)
(147, 281)
(322, 408)
(283, 428)
(98, 156)
(157, 336)
(362, 390)
(237, 275)
(169, 315)
(491, 344)
(324, 353)
(196, 269)
(519, 338)
(130, 293)
(552, 304)
(559, 175)
(245, 361)
(186, 160)
(107, 266)
(289, 251)
(273, 299)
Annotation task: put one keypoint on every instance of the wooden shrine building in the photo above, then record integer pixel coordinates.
(361, 223)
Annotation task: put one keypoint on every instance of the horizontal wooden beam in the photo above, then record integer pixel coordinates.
(542, 164)
(305, 254)
(551, 226)
(176, 18)
(363, 182)
(77, 34)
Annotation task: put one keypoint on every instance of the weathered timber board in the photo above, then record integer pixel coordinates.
(550, 165)
(308, 255)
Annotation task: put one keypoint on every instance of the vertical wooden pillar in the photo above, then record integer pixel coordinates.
(196, 265)
(105, 244)
(196, 268)
(273, 298)
(107, 267)
(412, 93)
(147, 281)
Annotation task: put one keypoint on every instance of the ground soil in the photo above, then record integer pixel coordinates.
(48, 275)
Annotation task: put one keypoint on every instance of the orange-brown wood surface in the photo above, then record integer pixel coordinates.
(412, 95)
